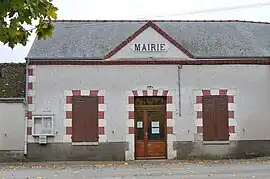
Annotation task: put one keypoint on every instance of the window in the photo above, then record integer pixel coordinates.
(215, 118)
(43, 125)
(85, 119)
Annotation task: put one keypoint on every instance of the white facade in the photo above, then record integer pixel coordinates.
(249, 82)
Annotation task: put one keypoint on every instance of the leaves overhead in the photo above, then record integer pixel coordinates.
(15, 15)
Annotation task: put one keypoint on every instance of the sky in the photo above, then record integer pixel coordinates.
(250, 10)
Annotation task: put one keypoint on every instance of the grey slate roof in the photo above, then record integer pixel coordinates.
(203, 39)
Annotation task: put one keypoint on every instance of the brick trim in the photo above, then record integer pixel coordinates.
(31, 106)
(170, 108)
(231, 93)
(102, 108)
(224, 61)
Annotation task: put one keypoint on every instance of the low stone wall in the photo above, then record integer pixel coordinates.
(11, 156)
(111, 151)
(231, 150)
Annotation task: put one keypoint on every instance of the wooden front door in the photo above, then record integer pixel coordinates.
(150, 133)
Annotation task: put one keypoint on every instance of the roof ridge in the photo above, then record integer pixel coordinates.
(244, 21)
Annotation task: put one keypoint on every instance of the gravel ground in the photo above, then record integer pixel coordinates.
(223, 169)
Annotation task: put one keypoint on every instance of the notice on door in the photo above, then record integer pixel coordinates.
(139, 124)
(155, 123)
(155, 130)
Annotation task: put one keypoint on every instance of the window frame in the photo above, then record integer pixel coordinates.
(42, 119)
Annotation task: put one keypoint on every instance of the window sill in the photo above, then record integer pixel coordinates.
(47, 135)
(216, 142)
(85, 143)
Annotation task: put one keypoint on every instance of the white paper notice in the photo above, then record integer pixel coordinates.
(155, 123)
(139, 124)
(155, 130)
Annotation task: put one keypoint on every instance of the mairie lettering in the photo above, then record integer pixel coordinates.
(157, 47)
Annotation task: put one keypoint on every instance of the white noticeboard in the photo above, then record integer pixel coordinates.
(155, 123)
(155, 130)
(139, 124)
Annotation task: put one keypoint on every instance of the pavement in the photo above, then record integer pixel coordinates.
(161, 169)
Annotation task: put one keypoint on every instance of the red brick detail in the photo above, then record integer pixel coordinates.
(76, 92)
(223, 92)
(170, 130)
(169, 99)
(155, 92)
(206, 92)
(135, 93)
(231, 129)
(29, 115)
(101, 130)
(144, 92)
(100, 99)
(169, 115)
(29, 130)
(179, 61)
(68, 114)
(165, 93)
(131, 100)
(131, 130)
(101, 114)
(30, 85)
(230, 114)
(130, 114)
(30, 72)
(68, 99)
(199, 99)
(199, 129)
(30, 99)
(68, 130)
(230, 99)
(94, 93)
(199, 114)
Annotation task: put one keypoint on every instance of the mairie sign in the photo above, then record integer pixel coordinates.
(149, 47)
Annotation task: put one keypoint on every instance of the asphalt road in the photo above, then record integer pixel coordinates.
(158, 170)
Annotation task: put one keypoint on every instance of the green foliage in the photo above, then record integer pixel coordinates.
(12, 80)
(16, 14)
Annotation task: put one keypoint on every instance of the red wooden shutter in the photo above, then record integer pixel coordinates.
(91, 126)
(85, 119)
(209, 133)
(222, 120)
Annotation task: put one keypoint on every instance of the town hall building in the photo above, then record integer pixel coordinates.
(131, 90)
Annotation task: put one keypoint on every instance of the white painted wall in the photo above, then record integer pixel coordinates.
(12, 124)
(149, 36)
(252, 83)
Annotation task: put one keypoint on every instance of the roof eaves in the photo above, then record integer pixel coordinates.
(63, 58)
(259, 22)
(231, 57)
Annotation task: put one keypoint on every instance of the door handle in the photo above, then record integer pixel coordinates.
(146, 135)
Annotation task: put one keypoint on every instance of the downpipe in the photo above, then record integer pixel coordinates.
(179, 67)
(26, 108)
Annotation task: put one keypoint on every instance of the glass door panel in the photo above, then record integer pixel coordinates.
(156, 127)
(139, 125)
